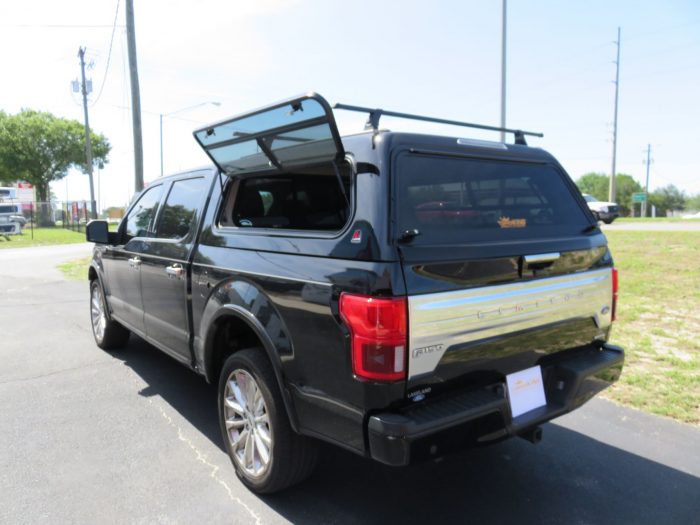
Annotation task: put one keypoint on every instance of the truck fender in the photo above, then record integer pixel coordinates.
(241, 313)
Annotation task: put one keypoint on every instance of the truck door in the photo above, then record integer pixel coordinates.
(123, 261)
(165, 265)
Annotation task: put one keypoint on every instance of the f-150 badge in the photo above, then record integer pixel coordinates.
(417, 352)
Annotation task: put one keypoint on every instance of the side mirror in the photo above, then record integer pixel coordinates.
(97, 232)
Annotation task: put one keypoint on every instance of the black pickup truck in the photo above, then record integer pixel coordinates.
(400, 295)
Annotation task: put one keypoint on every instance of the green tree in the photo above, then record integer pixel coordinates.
(597, 184)
(668, 198)
(39, 148)
(693, 203)
(626, 186)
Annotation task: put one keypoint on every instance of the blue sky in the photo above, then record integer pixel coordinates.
(439, 58)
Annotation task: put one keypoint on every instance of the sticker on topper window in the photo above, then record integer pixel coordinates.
(507, 222)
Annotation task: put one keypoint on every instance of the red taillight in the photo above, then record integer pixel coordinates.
(614, 294)
(378, 336)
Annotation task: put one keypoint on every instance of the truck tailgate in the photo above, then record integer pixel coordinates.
(498, 329)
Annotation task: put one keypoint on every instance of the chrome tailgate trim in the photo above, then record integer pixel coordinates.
(441, 320)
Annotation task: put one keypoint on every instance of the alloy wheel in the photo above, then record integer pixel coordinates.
(247, 423)
(97, 313)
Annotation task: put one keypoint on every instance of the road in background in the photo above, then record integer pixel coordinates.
(649, 226)
(39, 263)
(88, 436)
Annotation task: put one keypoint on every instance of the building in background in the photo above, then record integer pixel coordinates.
(19, 192)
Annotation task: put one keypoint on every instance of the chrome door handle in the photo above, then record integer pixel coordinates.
(135, 262)
(541, 258)
(175, 271)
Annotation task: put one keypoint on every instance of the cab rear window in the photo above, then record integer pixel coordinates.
(312, 200)
(457, 200)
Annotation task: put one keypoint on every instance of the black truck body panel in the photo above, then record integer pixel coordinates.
(285, 285)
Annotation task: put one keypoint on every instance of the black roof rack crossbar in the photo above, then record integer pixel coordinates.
(375, 114)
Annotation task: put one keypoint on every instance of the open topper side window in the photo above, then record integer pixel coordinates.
(297, 132)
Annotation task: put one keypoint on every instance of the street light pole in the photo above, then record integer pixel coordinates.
(503, 74)
(161, 115)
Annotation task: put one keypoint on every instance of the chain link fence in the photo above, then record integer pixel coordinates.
(22, 218)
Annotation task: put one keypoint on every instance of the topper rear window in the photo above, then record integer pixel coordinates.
(459, 200)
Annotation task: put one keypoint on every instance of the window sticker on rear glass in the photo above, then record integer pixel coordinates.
(507, 222)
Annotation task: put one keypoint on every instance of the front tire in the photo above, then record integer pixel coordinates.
(108, 334)
(267, 454)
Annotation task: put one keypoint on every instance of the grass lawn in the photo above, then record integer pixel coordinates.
(658, 322)
(77, 269)
(42, 237)
(655, 219)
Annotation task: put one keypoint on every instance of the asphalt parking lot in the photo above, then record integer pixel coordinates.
(132, 437)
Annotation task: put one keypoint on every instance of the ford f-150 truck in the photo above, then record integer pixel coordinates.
(400, 295)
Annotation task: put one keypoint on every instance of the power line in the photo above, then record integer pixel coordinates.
(662, 30)
(109, 56)
(59, 26)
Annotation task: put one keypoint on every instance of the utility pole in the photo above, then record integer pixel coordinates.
(613, 186)
(503, 74)
(135, 96)
(646, 186)
(88, 141)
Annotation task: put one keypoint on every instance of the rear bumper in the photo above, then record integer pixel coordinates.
(435, 428)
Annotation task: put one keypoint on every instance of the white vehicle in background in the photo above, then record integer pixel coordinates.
(603, 211)
(8, 194)
(11, 219)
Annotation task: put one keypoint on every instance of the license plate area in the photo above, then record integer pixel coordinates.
(525, 391)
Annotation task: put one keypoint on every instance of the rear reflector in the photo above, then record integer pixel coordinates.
(614, 294)
(378, 336)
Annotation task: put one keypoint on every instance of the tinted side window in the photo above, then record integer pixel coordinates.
(180, 209)
(291, 202)
(139, 223)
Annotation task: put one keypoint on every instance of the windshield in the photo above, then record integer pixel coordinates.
(589, 198)
(458, 200)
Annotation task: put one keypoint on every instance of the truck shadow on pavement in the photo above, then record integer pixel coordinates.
(567, 478)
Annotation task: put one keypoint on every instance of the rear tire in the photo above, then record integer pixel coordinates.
(608, 221)
(267, 454)
(108, 333)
